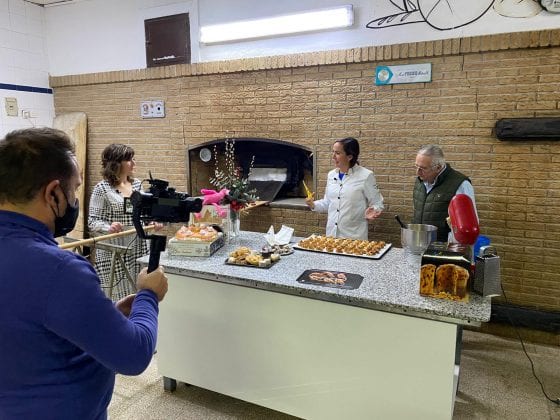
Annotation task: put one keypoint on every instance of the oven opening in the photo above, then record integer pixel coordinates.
(279, 168)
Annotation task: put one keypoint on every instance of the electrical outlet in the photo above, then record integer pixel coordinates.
(11, 107)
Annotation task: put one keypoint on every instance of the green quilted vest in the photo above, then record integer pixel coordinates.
(431, 209)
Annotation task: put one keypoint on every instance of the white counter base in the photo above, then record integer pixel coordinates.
(305, 357)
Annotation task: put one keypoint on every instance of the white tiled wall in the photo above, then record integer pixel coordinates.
(23, 62)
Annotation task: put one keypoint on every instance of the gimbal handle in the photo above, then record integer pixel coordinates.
(157, 242)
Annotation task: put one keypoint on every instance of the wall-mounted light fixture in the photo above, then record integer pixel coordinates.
(316, 20)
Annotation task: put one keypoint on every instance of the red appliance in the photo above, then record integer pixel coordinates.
(463, 220)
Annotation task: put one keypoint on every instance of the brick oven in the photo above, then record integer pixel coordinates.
(278, 170)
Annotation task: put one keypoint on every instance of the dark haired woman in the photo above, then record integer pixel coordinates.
(106, 215)
(352, 196)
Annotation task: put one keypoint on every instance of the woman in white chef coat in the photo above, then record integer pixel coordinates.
(351, 197)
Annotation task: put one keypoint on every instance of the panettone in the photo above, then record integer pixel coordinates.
(445, 273)
(427, 278)
(450, 277)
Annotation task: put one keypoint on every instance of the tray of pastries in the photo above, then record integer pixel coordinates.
(342, 246)
(336, 279)
(280, 249)
(247, 257)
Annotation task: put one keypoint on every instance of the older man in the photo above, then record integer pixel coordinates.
(436, 185)
(61, 339)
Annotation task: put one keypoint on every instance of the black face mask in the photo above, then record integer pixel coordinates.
(65, 224)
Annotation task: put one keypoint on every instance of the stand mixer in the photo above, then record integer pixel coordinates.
(464, 224)
(464, 221)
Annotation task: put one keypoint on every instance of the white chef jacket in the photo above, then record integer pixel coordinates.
(346, 201)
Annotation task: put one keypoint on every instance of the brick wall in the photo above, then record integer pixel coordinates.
(314, 99)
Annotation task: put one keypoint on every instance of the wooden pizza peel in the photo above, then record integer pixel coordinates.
(75, 125)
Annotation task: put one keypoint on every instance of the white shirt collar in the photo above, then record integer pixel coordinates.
(350, 170)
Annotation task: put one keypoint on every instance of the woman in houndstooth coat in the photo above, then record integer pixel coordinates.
(107, 215)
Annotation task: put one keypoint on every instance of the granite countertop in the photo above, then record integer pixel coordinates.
(390, 283)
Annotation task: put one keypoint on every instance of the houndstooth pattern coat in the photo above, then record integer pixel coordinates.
(106, 206)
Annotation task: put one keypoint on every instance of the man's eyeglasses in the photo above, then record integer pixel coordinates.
(423, 168)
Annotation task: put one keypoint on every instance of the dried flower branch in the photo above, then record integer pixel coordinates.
(231, 178)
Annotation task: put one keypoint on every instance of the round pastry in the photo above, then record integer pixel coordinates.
(253, 259)
(196, 233)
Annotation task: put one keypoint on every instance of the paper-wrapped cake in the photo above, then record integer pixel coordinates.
(196, 241)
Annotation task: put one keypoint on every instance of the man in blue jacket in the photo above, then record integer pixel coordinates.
(61, 339)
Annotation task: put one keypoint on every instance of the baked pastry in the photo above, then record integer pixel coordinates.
(254, 259)
(452, 279)
(445, 278)
(281, 249)
(196, 233)
(240, 252)
(461, 282)
(342, 245)
(427, 277)
(328, 277)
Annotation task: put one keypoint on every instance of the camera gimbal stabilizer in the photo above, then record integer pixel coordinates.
(160, 204)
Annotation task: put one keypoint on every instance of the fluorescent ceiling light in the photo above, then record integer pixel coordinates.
(337, 17)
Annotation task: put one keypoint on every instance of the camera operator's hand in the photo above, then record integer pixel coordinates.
(154, 281)
(124, 305)
(115, 227)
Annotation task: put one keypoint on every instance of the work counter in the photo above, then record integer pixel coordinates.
(390, 283)
(379, 351)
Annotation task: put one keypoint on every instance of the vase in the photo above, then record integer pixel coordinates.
(233, 224)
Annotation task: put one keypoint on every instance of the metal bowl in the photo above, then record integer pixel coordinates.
(416, 237)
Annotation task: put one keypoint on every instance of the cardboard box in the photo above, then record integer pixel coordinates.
(190, 248)
(446, 274)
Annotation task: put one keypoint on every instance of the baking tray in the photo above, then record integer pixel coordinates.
(250, 265)
(377, 256)
(353, 281)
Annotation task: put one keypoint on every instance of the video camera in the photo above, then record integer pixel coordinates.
(160, 204)
(163, 204)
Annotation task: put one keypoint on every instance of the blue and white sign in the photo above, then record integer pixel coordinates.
(410, 73)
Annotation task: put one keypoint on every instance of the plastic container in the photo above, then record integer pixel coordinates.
(480, 241)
